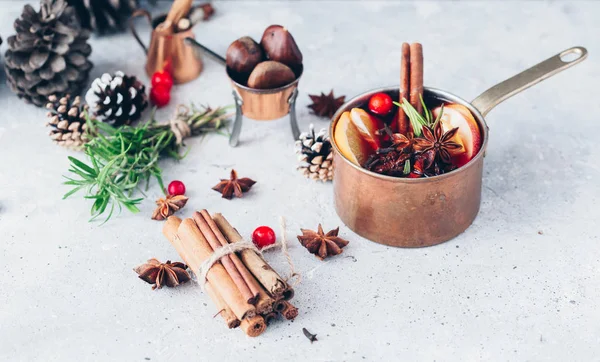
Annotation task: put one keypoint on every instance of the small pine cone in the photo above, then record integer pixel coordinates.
(118, 99)
(67, 121)
(315, 156)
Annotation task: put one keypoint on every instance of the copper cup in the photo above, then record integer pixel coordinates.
(168, 51)
(265, 104)
(257, 104)
(421, 212)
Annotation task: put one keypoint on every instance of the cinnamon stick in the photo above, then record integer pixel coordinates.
(279, 305)
(248, 278)
(197, 249)
(270, 280)
(264, 304)
(227, 262)
(254, 326)
(403, 122)
(289, 312)
(224, 310)
(288, 294)
(269, 317)
(416, 76)
(193, 262)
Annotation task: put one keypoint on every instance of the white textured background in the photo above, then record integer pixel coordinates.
(500, 291)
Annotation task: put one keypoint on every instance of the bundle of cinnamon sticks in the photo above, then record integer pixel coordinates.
(247, 292)
(411, 82)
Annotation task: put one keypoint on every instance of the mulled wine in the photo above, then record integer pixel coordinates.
(437, 138)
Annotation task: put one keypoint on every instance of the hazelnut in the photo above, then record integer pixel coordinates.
(270, 74)
(280, 46)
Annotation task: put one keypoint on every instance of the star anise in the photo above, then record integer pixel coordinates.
(437, 141)
(168, 205)
(389, 163)
(321, 244)
(234, 186)
(326, 105)
(159, 274)
(399, 141)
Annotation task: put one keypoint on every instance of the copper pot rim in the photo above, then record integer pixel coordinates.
(266, 91)
(445, 95)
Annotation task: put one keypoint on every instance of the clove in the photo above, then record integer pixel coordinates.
(311, 337)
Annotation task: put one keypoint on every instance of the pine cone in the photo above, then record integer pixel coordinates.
(67, 121)
(118, 99)
(48, 55)
(103, 16)
(314, 154)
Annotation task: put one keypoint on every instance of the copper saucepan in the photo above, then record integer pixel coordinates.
(426, 211)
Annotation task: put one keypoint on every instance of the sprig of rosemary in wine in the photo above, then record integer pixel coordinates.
(120, 158)
(417, 120)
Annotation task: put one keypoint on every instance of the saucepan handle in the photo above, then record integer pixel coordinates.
(502, 91)
(137, 13)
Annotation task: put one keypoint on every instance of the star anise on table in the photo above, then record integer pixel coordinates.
(234, 186)
(159, 274)
(326, 105)
(321, 244)
(166, 206)
(438, 142)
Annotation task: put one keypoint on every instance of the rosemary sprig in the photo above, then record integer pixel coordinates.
(120, 158)
(407, 168)
(417, 120)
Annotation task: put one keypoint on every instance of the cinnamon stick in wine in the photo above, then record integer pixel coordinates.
(197, 250)
(416, 76)
(403, 123)
(248, 278)
(270, 280)
(226, 260)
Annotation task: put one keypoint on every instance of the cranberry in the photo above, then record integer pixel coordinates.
(162, 78)
(263, 236)
(380, 104)
(160, 96)
(176, 187)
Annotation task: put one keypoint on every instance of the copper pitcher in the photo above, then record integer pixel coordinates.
(168, 51)
(419, 212)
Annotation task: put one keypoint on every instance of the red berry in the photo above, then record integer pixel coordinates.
(263, 236)
(380, 104)
(162, 78)
(176, 187)
(160, 96)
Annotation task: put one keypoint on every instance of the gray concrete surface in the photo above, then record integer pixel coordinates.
(523, 283)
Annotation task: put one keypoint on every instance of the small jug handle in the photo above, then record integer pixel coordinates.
(135, 14)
